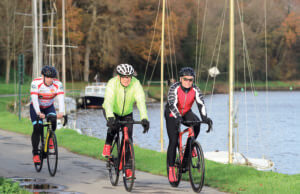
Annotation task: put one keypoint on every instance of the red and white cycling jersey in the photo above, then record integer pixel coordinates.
(42, 96)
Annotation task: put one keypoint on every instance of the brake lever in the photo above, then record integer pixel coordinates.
(65, 120)
(210, 128)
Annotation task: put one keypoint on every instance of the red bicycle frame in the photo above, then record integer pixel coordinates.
(189, 130)
(126, 139)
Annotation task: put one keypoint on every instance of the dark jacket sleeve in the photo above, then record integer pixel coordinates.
(173, 99)
(200, 102)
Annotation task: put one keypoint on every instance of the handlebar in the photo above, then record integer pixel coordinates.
(65, 120)
(65, 117)
(129, 122)
(193, 122)
(210, 127)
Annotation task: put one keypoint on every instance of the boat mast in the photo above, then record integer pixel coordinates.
(40, 61)
(35, 70)
(162, 78)
(231, 78)
(63, 46)
(51, 49)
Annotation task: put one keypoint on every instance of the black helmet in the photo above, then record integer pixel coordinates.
(49, 71)
(186, 71)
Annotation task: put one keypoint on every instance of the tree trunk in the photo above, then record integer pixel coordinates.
(87, 61)
(8, 64)
(88, 47)
(8, 59)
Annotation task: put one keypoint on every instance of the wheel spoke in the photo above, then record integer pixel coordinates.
(196, 167)
(112, 162)
(52, 155)
(129, 167)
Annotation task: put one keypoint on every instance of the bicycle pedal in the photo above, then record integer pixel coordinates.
(130, 178)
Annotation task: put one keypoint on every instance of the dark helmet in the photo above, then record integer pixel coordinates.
(49, 71)
(186, 71)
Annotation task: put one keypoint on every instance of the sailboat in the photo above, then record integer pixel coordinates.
(230, 156)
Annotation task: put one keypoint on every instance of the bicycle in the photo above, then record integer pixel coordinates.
(45, 150)
(185, 161)
(122, 157)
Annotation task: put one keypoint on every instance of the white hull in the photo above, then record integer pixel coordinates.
(240, 159)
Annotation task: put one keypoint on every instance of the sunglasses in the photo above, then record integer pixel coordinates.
(125, 76)
(186, 79)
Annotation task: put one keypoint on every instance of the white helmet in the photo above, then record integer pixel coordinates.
(125, 69)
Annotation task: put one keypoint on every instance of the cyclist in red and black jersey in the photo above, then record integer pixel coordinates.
(181, 97)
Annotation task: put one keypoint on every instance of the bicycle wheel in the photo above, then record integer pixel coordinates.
(112, 162)
(52, 155)
(128, 166)
(196, 167)
(38, 166)
(177, 166)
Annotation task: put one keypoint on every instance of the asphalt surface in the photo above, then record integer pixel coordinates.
(78, 174)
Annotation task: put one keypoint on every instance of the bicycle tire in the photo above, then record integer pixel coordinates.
(113, 161)
(52, 152)
(178, 170)
(196, 167)
(129, 165)
(39, 166)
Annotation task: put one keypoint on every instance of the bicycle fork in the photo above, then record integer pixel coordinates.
(123, 154)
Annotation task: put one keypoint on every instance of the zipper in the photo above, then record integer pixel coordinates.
(124, 101)
(184, 103)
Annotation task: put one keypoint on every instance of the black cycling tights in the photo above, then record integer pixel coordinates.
(35, 137)
(173, 133)
(37, 132)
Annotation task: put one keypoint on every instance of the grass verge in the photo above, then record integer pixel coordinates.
(229, 178)
(7, 187)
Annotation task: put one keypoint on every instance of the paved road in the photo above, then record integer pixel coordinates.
(77, 173)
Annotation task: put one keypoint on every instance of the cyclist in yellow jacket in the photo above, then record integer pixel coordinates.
(121, 92)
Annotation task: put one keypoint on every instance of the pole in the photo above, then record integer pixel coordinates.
(35, 72)
(40, 63)
(63, 46)
(51, 56)
(231, 78)
(19, 93)
(162, 79)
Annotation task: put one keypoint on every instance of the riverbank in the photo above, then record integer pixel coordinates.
(227, 178)
(220, 87)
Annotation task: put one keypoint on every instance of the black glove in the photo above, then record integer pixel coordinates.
(209, 123)
(111, 123)
(178, 120)
(146, 125)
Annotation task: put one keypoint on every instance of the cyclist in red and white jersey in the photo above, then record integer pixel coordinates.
(181, 98)
(42, 93)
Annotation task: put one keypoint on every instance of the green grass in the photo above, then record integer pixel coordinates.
(10, 89)
(229, 178)
(8, 187)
